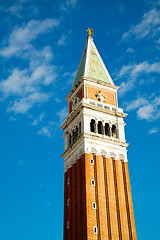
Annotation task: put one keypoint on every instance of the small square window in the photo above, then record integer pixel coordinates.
(67, 224)
(67, 202)
(92, 161)
(92, 182)
(93, 205)
(95, 230)
(67, 181)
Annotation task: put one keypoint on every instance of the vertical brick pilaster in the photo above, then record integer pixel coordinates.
(107, 199)
(90, 197)
(79, 213)
(117, 200)
(97, 198)
(65, 208)
(112, 200)
(69, 208)
(101, 198)
(133, 228)
(73, 214)
(83, 199)
(122, 201)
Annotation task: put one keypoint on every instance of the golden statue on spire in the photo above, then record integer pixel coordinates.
(90, 32)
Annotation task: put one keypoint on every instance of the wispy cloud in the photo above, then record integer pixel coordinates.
(148, 26)
(153, 131)
(48, 130)
(62, 40)
(21, 37)
(130, 50)
(26, 86)
(38, 119)
(62, 114)
(133, 71)
(68, 4)
(16, 8)
(24, 104)
(136, 104)
(148, 110)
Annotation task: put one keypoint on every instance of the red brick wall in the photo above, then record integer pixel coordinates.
(114, 215)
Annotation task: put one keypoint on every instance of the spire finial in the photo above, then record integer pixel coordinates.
(90, 32)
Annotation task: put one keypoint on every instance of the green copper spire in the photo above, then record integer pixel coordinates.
(80, 72)
(91, 65)
(96, 69)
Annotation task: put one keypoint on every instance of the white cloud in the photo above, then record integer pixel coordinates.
(71, 2)
(48, 130)
(62, 114)
(146, 112)
(57, 100)
(136, 69)
(25, 103)
(38, 119)
(68, 4)
(153, 130)
(149, 25)
(28, 86)
(16, 8)
(146, 109)
(21, 37)
(130, 50)
(136, 104)
(132, 72)
(62, 40)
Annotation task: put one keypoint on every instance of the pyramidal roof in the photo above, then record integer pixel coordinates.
(91, 64)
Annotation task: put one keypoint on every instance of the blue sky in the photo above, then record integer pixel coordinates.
(40, 50)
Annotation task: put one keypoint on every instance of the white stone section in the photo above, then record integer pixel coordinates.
(96, 147)
(89, 142)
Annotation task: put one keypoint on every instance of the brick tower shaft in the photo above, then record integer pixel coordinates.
(97, 194)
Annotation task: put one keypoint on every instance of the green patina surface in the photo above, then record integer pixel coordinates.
(80, 72)
(95, 68)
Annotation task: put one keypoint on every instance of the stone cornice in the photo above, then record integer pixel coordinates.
(106, 139)
(103, 139)
(82, 104)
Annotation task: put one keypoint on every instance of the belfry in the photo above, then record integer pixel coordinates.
(97, 194)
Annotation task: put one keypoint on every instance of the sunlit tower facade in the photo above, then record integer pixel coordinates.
(97, 194)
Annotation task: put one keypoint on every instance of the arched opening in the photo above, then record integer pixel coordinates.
(79, 128)
(76, 132)
(70, 139)
(107, 132)
(74, 135)
(92, 125)
(114, 130)
(100, 127)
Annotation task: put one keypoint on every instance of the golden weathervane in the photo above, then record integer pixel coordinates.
(90, 32)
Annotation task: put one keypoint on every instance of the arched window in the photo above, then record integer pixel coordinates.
(92, 125)
(73, 135)
(76, 132)
(114, 130)
(70, 139)
(106, 129)
(79, 128)
(100, 127)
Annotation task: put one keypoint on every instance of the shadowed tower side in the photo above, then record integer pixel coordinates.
(97, 194)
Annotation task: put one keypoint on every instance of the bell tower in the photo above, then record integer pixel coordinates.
(97, 193)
